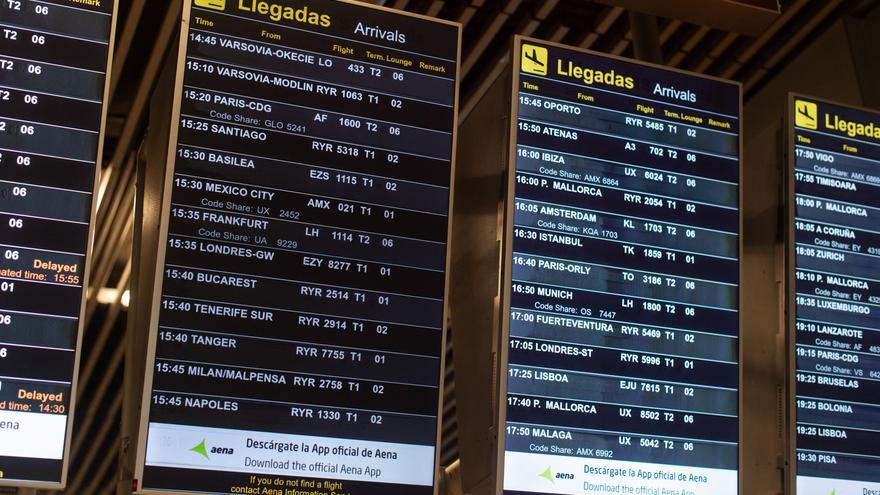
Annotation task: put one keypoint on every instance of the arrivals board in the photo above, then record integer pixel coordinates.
(622, 340)
(54, 57)
(835, 333)
(297, 340)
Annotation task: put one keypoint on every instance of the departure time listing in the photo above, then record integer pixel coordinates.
(836, 156)
(623, 354)
(299, 341)
(53, 66)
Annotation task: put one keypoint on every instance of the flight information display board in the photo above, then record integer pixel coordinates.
(54, 57)
(835, 294)
(622, 343)
(297, 337)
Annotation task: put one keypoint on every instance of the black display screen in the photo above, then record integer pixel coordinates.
(836, 247)
(300, 331)
(623, 355)
(53, 66)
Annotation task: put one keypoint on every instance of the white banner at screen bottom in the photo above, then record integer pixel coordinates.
(34, 435)
(807, 485)
(215, 449)
(544, 473)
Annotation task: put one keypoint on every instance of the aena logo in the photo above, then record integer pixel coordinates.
(534, 60)
(806, 114)
(202, 450)
(549, 476)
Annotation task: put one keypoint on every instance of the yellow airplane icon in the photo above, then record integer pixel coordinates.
(534, 60)
(806, 114)
(212, 4)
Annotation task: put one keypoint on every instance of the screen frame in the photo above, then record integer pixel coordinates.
(87, 268)
(164, 217)
(507, 245)
(790, 478)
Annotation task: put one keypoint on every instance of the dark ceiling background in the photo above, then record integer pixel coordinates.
(145, 29)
